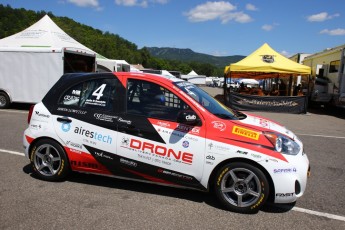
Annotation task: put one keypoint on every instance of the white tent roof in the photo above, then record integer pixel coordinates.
(192, 73)
(249, 81)
(43, 34)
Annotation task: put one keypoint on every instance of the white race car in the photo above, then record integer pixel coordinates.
(154, 129)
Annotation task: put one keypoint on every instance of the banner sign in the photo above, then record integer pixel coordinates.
(281, 104)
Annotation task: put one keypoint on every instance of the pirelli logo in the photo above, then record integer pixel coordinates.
(245, 132)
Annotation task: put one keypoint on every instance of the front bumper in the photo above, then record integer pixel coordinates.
(290, 178)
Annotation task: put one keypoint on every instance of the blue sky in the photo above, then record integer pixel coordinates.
(220, 28)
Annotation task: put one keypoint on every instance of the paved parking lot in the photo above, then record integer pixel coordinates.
(86, 201)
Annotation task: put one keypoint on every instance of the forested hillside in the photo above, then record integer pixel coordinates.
(107, 44)
(190, 55)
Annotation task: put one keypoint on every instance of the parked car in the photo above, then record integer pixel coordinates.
(167, 131)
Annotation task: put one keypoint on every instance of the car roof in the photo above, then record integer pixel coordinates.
(149, 76)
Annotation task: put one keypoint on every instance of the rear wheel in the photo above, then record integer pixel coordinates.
(49, 160)
(4, 100)
(241, 187)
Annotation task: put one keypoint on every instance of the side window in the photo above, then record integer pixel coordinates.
(334, 66)
(152, 100)
(97, 94)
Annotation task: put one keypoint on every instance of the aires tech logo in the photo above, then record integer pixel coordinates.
(65, 127)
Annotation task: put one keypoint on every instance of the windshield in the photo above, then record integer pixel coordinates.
(206, 101)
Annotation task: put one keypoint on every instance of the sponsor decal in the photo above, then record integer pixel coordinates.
(124, 121)
(187, 129)
(128, 162)
(105, 117)
(65, 127)
(256, 155)
(41, 114)
(76, 92)
(125, 141)
(75, 151)
(161, 161)
(264, 123)
(242, 152)
(190, 117)
(75, 145)
(70, 98)
(271, 159)
(103, 155)
(185, 144)
(219, 125)
(35, 126)
(285, 194)
(163, 151)
(163, 124)
(84, 164)
(223, 148)
(268, 58)
(180, 176)
(75, 111)
(286, 170)
(179, 135)
(245, 132)
(209, 157)
(93, 135)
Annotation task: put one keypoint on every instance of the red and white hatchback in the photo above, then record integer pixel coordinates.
(150, 128)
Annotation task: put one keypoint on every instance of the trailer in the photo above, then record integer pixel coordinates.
(27, 75)
(328, 78)
(111, 65)
(32, 60)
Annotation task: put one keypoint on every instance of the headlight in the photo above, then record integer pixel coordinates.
(283, 144)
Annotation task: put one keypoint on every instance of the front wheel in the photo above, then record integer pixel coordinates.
(241, 187)
(49, 160)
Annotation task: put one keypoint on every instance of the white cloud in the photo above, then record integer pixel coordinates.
(237, 16)
(251, 7)
(140, 3)
(335, 32)
(267, 27)
(285, 53)
(224, 11)
(86, 3)
(321, 17)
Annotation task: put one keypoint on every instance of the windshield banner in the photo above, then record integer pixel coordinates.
(281, 104)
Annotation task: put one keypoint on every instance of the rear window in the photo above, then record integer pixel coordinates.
(97, 94)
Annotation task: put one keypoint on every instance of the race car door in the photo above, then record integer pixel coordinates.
(153, 144)
(85, 119)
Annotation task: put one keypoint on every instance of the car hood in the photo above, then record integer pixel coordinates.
(264, 124)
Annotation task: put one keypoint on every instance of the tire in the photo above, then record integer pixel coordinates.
(241, 187)
(49, 160)
(4, 100)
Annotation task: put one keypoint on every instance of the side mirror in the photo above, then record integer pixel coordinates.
(188, 117)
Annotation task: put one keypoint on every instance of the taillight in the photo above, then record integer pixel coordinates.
(30, 113)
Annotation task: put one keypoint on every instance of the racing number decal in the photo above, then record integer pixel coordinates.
(98, 93)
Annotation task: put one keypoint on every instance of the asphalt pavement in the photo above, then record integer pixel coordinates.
(94, 202)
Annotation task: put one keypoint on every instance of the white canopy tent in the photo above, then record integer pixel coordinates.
(192, 73)
(44, 34)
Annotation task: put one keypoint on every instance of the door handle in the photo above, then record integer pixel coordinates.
(64, 119)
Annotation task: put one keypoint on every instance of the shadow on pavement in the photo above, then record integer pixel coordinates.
(186, 194)
(20, 106)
